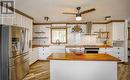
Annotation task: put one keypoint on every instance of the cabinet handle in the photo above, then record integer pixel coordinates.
(118, 52)
(118, 48)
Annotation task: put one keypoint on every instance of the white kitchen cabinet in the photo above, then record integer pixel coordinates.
(105, 50)
(43, 53)
(117, 52)
(118, 31)
(98, 27)
(7, 19)
(17, 21)
(102, 51)
(30, 57)
(26, 22)
(33, 56)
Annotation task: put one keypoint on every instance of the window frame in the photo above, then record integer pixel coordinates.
(60, 42)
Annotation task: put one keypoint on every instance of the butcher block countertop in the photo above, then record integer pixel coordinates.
(91, 46)
(82, 57)
(77, 46)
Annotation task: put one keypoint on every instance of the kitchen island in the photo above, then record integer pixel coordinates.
(70, 66)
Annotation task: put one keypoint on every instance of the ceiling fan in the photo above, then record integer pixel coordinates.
(78, 14)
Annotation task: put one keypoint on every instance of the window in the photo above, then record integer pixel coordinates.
(59, 34)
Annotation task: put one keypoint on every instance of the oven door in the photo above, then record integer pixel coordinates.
(91, 50)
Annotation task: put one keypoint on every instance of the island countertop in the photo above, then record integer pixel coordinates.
(82, 57)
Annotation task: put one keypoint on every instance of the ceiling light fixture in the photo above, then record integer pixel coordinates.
(46, 18)
(107, 17)
(78, 17)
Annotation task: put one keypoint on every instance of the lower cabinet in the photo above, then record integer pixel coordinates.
(33, 56)
(43, 53)
(117, 52)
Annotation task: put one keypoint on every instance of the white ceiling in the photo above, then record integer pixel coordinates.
(38, 9)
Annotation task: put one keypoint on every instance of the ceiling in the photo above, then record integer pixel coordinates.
(38, 9)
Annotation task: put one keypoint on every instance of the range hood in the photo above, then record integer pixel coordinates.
(89, 29)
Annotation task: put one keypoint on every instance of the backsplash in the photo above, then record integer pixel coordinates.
(41, 36)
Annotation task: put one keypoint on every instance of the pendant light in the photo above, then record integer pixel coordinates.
(78, 17)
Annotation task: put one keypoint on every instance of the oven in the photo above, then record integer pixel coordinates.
(91, 50)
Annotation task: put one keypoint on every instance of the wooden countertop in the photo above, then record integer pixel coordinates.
(93, 46)
(34, 46)
(77, 46)
(82, 57)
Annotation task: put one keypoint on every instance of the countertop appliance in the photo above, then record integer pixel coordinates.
(91, 50)
(14, 46)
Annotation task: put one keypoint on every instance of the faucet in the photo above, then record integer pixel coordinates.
(58, 42)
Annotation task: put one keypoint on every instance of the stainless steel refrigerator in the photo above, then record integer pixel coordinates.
(14, 48)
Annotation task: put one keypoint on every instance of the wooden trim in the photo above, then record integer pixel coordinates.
(50, 23)
(20, 12)
(17, 11)
(98, 22)
(34, 46)
(115, 21)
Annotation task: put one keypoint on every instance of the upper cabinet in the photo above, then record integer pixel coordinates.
(118, 31)
(26, 22)
(7, 19)
(17, 21)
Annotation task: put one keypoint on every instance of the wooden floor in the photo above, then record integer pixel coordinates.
(40, 71)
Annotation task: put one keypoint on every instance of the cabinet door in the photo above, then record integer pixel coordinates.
(118, 52)
(19, 20)
(1, 18)
(34, 55)
(41, 53)
(118, 31)
(30, 28)
(46, 52)
(102, 51)
(7, 19)
(24, 21)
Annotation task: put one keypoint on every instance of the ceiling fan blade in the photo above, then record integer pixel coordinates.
(87, 11)
(69, 13)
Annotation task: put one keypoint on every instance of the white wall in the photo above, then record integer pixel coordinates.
(72, 38)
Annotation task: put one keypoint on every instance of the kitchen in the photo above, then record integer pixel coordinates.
(42, 39)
